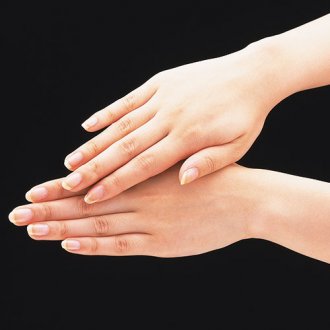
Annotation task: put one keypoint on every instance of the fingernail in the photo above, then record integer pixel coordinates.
(72, 181)
(94, 195)
(189, 175)
(73, 160)
(90, 122)
(20, 216)
(38, 229)
(36, 194)
(70, 244)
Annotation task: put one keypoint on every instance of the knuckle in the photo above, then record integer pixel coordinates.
(129, 101)
(125, 125)
(83, 209)
(145, 162)
(92, 148)
(209, 164)
(94, 168)
(115, 181)
(121, 245)
(110, 117)
(93, 245)
(58, 186)
(63, 229)
(128, 146)
(101, 225)
(46, 211)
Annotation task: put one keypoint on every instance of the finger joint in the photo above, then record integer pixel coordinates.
(125, 125)
(101, 225)
(210, 164)
(128, 101)
(121, 245)
(145, 162)
(128, 146)
(83, 209)
(92, 148)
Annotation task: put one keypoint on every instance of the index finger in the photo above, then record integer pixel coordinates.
(121, 107)
(50, 190)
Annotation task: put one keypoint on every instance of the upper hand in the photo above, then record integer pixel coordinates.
(210, 111)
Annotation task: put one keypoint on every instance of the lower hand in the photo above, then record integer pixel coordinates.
(158, 217)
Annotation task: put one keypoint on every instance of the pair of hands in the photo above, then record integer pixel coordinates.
(211, 112)
(208, 113)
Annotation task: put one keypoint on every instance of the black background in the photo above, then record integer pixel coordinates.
(62, 61)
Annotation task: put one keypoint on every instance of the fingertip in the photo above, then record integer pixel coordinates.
(189, 175)
(70, 245)
(66, 186)
(36, 194)
(90, 123)
(97, 194)
(73, 160)
(28, 196)
(88, 200)
(67, 164)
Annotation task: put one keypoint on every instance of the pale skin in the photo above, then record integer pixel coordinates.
(160, 217)
(208, 113)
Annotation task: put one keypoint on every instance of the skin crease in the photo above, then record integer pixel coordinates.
(159, 217)
(172, 112)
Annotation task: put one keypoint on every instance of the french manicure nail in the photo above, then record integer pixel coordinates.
(189, 175)
(38, 229)
(73, 160)
(36, 194)
(20, 216)
(70, 244)
(90, 122)
(72, 181)
(94, 195)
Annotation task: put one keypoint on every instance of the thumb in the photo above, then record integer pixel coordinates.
(207, 161)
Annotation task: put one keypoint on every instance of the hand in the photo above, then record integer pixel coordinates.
(158, 217)
(210, 111)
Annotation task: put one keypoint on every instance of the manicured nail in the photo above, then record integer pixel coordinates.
(72, 181)
(38, 229)
(36, 194)
(94, 195)
(70, 245)
(20, 216)
(189, 175)
(73, 160)
(90, 122)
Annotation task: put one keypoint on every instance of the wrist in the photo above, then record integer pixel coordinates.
(270, 204)
(271, 63)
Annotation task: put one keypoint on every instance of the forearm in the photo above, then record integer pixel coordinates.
(299, 59)
(297, 215)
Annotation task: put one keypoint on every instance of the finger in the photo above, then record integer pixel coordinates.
(115, 156)
(50, 190)
(96, 226)
(121, 245)
(115, 132)
(121, 107)
(153, 161)
(69, 208)
(207, 161)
